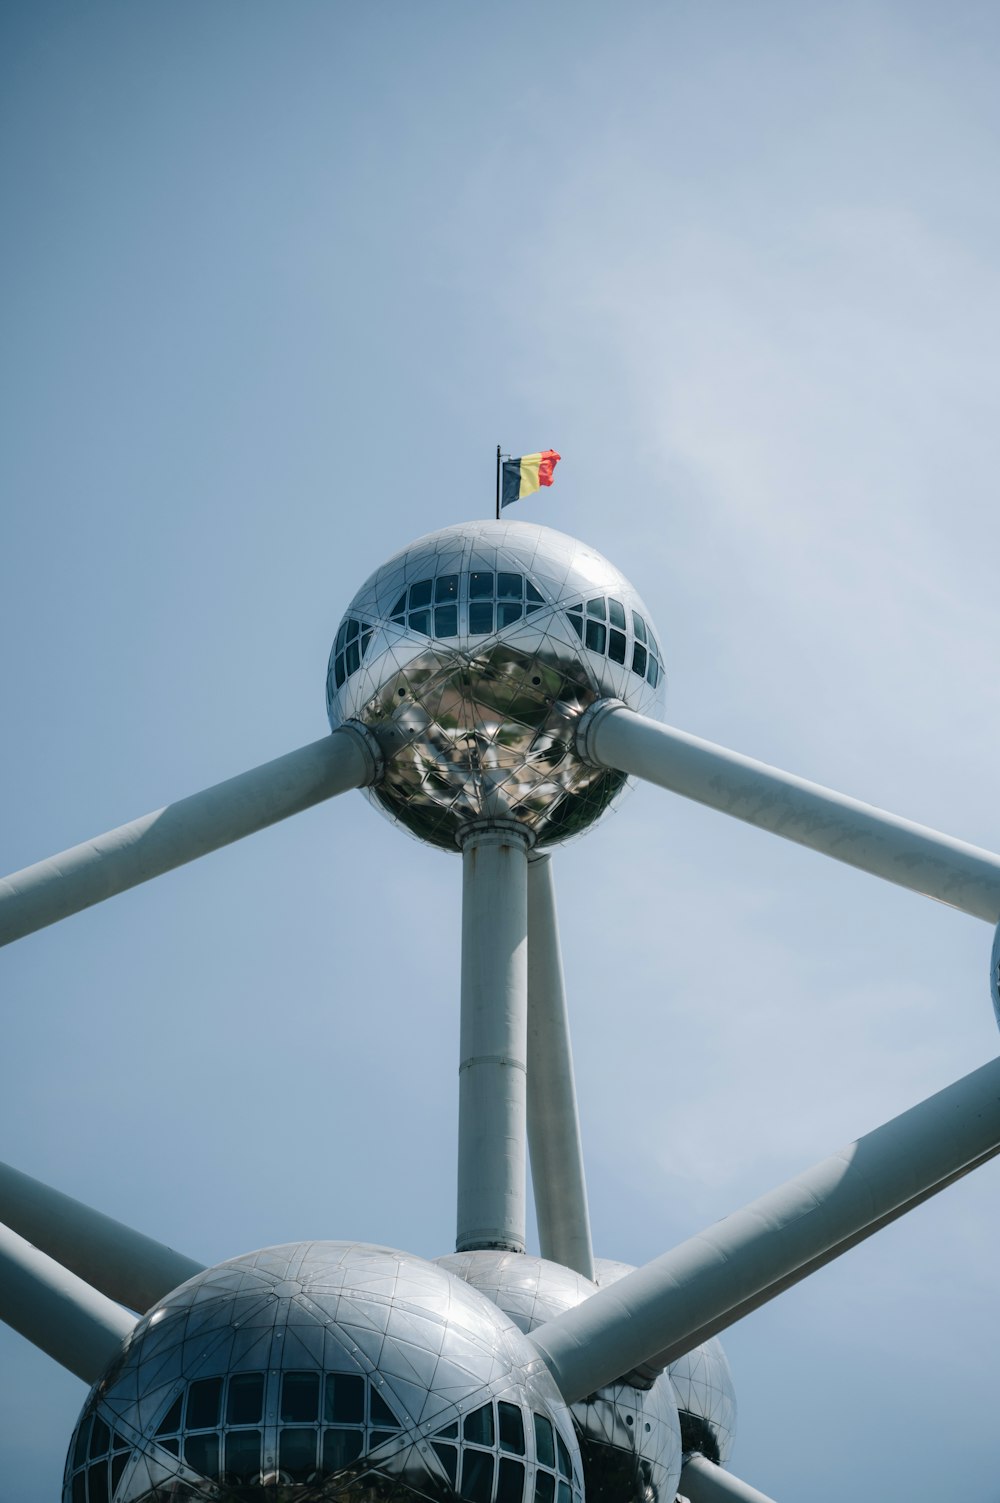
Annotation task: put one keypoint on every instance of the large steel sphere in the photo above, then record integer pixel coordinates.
(702, 1382)
(630, 1437)
(325, 1370)
(472, 654)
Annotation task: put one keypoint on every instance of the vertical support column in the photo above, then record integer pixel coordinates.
(492, 1072)
(553, 1121)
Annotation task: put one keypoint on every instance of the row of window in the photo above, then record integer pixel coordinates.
(495, 600)
(488, 1478)
(348, 650)
(603, 629)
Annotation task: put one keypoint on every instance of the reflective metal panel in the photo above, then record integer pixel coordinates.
(324, 1370)
(630, 1438)
(472, 654)
(702, 1382)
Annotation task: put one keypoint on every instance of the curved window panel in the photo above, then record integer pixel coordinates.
(297, 1454)
(245, 1402)
(616, 614)
(565, 1493)
(480, 617)
(204, 1398)
(639, 627)
(243, 1458)
(477, 1476)
(341, 1447)
(481, 586)
(342, 636)
(100, 1438)
(420, 593)
(353, 658)
(80, 1488)
(652, 673)
(545, 1487)
(299, 1397)
(202, 1453)
(448, 1457)
(639, 659)
(80, 1449)
(118, 1465)
(545, 1446)
(565, 1464)
(380, 1412)
(353, 629)
(510, 586)
(345, 1399)
(421, 621)
(576, 621)
(510, 1481)
(400, 607)
(508, 612)
(379, 1437)
(97, 1483)
(445, 588)
(478, 1426)
(596, 636)
(616, 646)
(446, 621)
(511, 1428)
(171, 1421)
(597, 609)
(532, 593)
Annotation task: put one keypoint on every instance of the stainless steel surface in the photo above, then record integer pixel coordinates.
(327, 1369)
(910, 855)
(701, 1482)
(682, 1298)
(702, 1384)
(477, 721)
(557, 1172)
(121, 1263)
(82, 1329)
(630, 1438)
(156, 843)
(492, 1135)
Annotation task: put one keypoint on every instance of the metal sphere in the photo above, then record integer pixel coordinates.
(472, 655)
(702, 1382)
(630, 1437)
(325, 1370)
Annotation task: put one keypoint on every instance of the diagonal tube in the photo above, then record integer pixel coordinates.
(82, 1329)
(908, 854)
(119, 1262)
(156, 843)
(704, 1482)
(664, 1309)
(557, 1173)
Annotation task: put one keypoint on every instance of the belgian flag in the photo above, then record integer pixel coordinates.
(527, 474)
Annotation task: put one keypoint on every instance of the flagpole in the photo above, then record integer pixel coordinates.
(498, 482)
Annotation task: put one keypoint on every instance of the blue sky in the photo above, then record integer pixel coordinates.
(277, 280)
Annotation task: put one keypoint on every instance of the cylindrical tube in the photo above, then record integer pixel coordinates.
(491, 1091)
(704, 1482)
(557, 1172)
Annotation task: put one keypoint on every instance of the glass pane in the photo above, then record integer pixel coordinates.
(203, 1403)
(118, 1465)
(510, 1484)
(172, 1419)
(545, 1487)
(345, 1399)
(100, 1438)
(531, 606)
(532, 593)
(511, 1429)
(420, 594)
(545, 1448)
(448, 1457)
(242, 1455)
(202, 1452)
(340, 671)
(507, 612)
(97, 1483)
(118, 1442)
(478, 1426)
(480, 617)
(80, 1449)
(299, 1397)
(481, 586)
(400, 605)
(510, 586)
(353, 658)
(576, 622)
(596, 609)
(565, 1495)
(246, 1399)
(341, 636)
(446, 621)
(381, 1414)
(639, 660)
(379, 1437)
(596, 636)
(297, 1454)
(341, 1447)
(173, 1446)
(364, 642)
(80, 1488)
(616, 646)
(565, 1465)
(445, 588)
(477, 1476)
(653, 672)
(353, 629)
(639, 627)
(616, 612)
(421, 621)
(448, 1432)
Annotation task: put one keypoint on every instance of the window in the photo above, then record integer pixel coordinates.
(544, 1441)
(348, 651)
(299, 1397)
(345, 1399)
(203, 1402)
(613, 639)
(511, 1429)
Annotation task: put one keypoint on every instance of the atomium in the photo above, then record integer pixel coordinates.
(472, 655)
